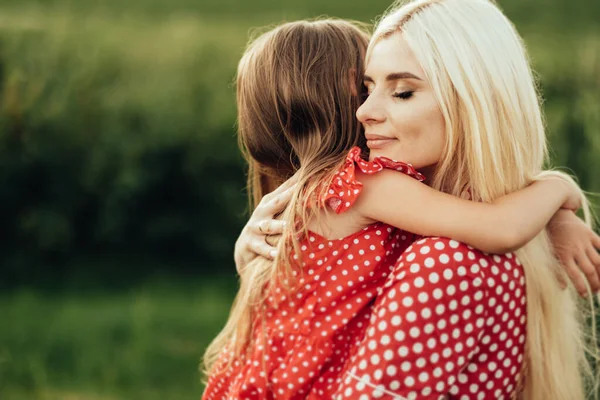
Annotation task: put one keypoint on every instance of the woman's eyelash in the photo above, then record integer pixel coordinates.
(404, 95)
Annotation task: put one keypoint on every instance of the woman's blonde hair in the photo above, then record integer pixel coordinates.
(298, 88)
(477, 66)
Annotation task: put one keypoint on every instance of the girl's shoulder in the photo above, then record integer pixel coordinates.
(369, 242)
(345, 188)
(347, 264)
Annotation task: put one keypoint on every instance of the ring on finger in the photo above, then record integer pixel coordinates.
(269, 237)
(262, 227)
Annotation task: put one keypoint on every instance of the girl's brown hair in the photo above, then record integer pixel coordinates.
(298, 88)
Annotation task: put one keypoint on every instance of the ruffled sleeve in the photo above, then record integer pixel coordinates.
(344, 188)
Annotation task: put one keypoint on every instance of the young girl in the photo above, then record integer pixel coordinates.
(295, 318)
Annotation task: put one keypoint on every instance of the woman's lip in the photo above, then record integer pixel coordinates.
(377, 143)
(371, 136)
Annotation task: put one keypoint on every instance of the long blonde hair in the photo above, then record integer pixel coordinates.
(496, 144)
(298, 87)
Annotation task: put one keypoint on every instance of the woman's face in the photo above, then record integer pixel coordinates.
(401, 116)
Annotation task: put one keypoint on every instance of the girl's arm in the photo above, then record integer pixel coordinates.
(499, 227)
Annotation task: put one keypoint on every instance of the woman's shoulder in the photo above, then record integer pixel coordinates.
(456, 261)
(450, 251)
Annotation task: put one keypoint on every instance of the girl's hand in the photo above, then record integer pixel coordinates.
(576, 246)
(252, 241)
(573, 195)
(573, 202)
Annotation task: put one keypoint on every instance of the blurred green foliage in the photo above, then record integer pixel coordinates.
(117, 121)
(144, 343)
(117, 136)
(118, 160)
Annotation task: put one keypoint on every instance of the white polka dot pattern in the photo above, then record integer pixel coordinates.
(311, 333)
(344, 188)
(371, 320)
(450, 321)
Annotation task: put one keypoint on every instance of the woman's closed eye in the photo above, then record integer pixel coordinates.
(404, 95)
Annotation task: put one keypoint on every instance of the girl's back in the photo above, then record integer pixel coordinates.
(305, 332)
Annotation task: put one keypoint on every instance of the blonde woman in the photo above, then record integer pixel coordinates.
(462, 63)
(328, 379)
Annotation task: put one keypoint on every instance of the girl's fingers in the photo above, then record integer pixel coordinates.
(594, 258)
(561, 275)
(596, 241)
(561, 280)
(576, 277)
(589, 271)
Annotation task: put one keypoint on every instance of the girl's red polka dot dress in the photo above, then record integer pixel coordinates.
(310, 334)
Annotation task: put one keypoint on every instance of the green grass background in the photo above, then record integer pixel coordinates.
(140, 343)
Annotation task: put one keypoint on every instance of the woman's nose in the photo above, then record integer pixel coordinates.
(368, 112)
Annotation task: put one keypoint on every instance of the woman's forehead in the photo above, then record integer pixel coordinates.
(392, 57)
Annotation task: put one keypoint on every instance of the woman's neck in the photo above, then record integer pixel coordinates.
(429, 173)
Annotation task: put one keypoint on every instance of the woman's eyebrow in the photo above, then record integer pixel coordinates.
(394, 76)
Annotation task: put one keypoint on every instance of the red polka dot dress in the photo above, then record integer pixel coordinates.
(312, 333)
(375, 319)
(449, 323)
